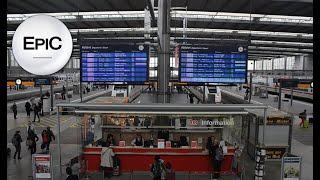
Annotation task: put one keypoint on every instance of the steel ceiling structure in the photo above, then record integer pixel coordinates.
(271, 28)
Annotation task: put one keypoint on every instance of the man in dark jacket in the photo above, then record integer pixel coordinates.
(28, 108)
(34, 138)
(50, 135)
(17, 144)
(14, 110)
(70, 175)
(36, 110)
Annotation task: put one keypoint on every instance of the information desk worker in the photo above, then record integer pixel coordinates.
(138, 141)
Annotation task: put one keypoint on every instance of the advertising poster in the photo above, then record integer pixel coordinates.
(291, 168)
(42, 166)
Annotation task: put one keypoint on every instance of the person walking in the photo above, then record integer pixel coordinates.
(36, 111)
(14, 110)
(28, 108)
(16, 141)
(34, 138)
(247, 92)
(50, 136)
(303, 117)
(44, 139)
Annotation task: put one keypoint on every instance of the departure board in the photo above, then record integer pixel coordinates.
(213, 64)
(115, 63)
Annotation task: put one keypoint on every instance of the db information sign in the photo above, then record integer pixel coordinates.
(291, 168)
(42, 166)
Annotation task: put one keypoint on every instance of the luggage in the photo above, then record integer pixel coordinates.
(306, 124)
(43, 145)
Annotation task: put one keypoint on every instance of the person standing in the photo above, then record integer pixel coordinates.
(138, 141)
(303, 117)
(50, 136)
(28, 108)
(40, 104)
(107, 160)
(30, 128)
(191, 96)
(70, 175)
(16, 141)
(34, 138)
(216, 153)
(36, 111)
(157, 168)
(63, 93)
(14, 110)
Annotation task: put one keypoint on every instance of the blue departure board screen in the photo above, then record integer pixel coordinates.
(115, 63)
(213, 64)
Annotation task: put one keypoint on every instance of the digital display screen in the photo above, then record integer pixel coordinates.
(114, 63)
(213, 64)
(41, 81)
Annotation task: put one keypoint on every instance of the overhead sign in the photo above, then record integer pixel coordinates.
(291, 168)
(42, 81)
(213, 64)
(42, 166)
(42, 45)
(114, 63)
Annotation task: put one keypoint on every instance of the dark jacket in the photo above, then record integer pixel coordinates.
(72, 177)
(50, 135)
(14, 108)
(212, 149)
(36, 108)
(34, 138)
(27, 106)
(18, 138)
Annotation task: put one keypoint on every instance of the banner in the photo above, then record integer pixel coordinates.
(42, 168)
(291, 168)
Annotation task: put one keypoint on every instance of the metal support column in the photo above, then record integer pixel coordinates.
(52, 93)
(264, 125)
(250, 88)
(204, 95)
(164, 50)
(40, 90)
(59, 142)
(80, 91)
(279, 99)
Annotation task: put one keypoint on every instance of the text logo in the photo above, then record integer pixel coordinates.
(42, 45)
(194, 122)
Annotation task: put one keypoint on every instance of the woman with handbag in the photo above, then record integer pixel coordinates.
(107, 160)
(34, 138)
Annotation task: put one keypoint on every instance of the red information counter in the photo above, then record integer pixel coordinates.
(139, 159)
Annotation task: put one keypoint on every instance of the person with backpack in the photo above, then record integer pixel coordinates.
(157, 169)
(14, 109)
(217, 158)
(34, 138)
(28, 108)
(16, 141)
(70, 175)
(36, 111)
(50, 136)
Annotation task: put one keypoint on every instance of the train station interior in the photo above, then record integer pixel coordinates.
(185, 80)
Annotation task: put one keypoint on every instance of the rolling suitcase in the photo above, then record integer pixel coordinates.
(306, 124)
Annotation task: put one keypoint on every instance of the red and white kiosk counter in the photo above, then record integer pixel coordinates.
(139, 159)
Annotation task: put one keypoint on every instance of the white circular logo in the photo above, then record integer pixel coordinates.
(42, 45)
(240, 49)
(141, 47)
(18, 81)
